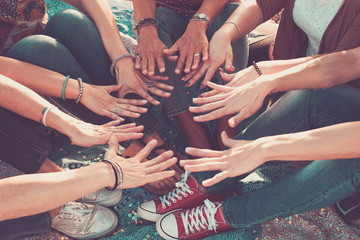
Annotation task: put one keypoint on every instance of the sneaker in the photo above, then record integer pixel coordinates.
(195, 223)
(85, 221)
(185, 195)
(103, 197)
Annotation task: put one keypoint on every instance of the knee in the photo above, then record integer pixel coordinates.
(32, 47)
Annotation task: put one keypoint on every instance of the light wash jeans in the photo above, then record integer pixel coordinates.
(171, 26)
(319, 184)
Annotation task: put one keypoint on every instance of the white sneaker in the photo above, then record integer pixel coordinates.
(85, 221)
(103, 197)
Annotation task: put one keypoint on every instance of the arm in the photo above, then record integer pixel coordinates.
(326, 71)
(339, 141)
(30, 105)
(50, 83)
(32, 192)
(126, 74)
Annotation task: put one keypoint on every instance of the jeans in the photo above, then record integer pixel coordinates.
(319, 184)
(171, 26)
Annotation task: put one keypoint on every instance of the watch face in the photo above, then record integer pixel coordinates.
(202, 15)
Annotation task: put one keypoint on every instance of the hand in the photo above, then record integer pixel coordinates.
(133, 81)
(149, 52)
(235, 79)
(242, 157)
(138, 171)
(99, 100)
(192, 44)
(220, 52)
(243, 101)
(87, 134)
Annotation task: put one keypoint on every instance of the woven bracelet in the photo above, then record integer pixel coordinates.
(257, 69)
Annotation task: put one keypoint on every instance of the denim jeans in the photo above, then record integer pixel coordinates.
(319, 184)
(70, 45)
(171, 26)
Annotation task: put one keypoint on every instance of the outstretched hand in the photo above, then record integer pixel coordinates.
(138, 171)
(242, 157)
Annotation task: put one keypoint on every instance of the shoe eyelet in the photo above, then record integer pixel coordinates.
(191, 192)
(193, 231)
(179, 198)
(174, 201)
(163, 207)
(185, 195)
(169, 204)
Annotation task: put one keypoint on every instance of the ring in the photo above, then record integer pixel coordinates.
(137, 55)
(117, 110)
(150, 85)
(112, 128)
(197, 55)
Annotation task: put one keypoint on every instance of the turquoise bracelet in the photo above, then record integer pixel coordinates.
(63, 90)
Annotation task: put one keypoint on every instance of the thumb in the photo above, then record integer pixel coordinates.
(238, 118)
(226, 77)
(229, 63)
(113, 147)
(113, 88)
(174, 48)
(229, 142)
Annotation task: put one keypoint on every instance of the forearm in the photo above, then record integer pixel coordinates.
(31, 194)
(143, 10)
(212, 8)
(339, 141)
(326, 71)
(41, 80)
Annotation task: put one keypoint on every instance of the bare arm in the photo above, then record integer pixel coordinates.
(339, 141)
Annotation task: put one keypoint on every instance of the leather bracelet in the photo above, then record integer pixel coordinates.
(121, 174)
(117, 59)
(145, 22)
(111, 163)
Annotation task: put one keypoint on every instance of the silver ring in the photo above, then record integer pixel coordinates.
(117, 109)
(197, 55)
(112, 128)
(137, 55)
(150, 85)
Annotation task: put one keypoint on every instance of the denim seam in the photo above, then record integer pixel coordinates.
(176, 112)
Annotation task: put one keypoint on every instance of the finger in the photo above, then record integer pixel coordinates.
(205, 53)
(205, 100)
(159, 92)
(229, 63)
(154, 177)
(216, 179)
(172, 58)
(159, 77)
(113, 88)
(219, 87)
(161, 64)
(198, 74)
(132, 129)
(128, 136)
(126, 113)
(151, 66)
(172, 50)
(196, 62)
(112, 123)
(180, 64)
(197, 152)
(137, 63)
(207, 107)
(131, 101)
(212, 115)
(208, 94)
(208, 76)
(159, 159)
(226, 77)
(144, 65)
(112, 115)
(188, 76)
(132, 108)
(147, 97)
(159, 167)
(229, 142)
(113, 148)
(205, 166)
(163, 86)
(235, 120)
(188, 63)
(143, 153)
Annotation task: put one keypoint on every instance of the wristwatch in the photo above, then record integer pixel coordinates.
(201, 17)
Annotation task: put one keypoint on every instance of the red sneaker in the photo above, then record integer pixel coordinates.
(195, 223)
(185, 195)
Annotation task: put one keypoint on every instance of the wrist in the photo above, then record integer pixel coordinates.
(107, 173)
(197, 25)
(148, 31)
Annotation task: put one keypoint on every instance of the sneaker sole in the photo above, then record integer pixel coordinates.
(110, 202)
(147, 215)
(161, 232)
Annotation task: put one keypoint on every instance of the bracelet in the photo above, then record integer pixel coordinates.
(64, 86)
(257, 69)
(121, 175)
(145, 22)
(235, 24)
(117, 59)
(44, 113)
(201, 19)
(111, 163)
(81, 87)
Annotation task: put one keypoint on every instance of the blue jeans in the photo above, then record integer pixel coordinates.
(319, 184)
(171, 27)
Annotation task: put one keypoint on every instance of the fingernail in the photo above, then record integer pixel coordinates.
(221, 70)
(167, 94)
(177, 71)
(183, 78)
(202, 86)
(187, 84)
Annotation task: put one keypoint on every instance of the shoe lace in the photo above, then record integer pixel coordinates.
(194, 218)
(180, 191)
(74, 211)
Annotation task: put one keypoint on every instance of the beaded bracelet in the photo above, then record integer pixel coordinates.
(112, 164)
(117, 59)
(64, 86)
(81, 87)
(145, 22)
(257, 69)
